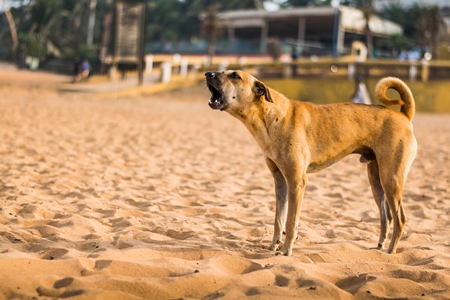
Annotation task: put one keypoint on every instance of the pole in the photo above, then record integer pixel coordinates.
(12, 27)
(91, 23)
(335, 4)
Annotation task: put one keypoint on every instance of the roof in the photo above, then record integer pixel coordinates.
(282, 13)
(352, 19)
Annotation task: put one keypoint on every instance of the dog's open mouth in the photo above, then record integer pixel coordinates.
(216, 101)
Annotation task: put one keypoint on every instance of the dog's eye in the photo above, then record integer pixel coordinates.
(235, 75)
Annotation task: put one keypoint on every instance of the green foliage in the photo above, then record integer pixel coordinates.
(32, 44)
(64, 23)
(422, 24)
(405, 16)
(180, 20)
(303, 3)
(84, 51)
(400, 42)
(61, 23)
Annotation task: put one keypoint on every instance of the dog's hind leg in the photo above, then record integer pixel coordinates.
(281, 205)
(393, 183)
(380, 199)
(394, 191)
(393, 170)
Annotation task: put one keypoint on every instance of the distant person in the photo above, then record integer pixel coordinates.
(294, 57)
(84, 70)
(76, 67)
(294, 53)
(361, 95)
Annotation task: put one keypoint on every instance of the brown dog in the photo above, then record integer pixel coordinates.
(299, 138)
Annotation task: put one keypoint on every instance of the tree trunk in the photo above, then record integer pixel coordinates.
(12, 28)
(369, 37)
(368, 33)
(91, 24)
(211, 45)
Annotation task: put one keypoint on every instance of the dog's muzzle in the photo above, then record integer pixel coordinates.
(217, 100)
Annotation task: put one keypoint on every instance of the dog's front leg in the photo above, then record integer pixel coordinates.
(281, 205)
(296, 190)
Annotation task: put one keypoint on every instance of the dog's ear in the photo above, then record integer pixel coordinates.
(261, 90)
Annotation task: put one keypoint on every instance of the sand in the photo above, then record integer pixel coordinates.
(160, 197)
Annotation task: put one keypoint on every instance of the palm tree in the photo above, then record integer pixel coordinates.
(64, 24)
(368, 11)
(211, 26)
(429, 26)
(422, 24)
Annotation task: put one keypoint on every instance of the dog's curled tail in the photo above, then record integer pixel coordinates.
(408, 106)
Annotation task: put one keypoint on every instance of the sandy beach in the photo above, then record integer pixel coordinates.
(160, 197)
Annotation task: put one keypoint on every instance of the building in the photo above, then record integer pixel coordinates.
(314, 30)
(379, 4)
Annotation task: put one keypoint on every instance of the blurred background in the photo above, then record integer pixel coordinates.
(54, 29)
(274, 39)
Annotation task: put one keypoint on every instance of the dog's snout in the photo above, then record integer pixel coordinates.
(210, 74)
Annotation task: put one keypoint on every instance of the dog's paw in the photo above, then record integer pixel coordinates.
(392, 251)
(283, 251)
(271, 248)
(378, 247)
(275, 247)
(280, 253)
